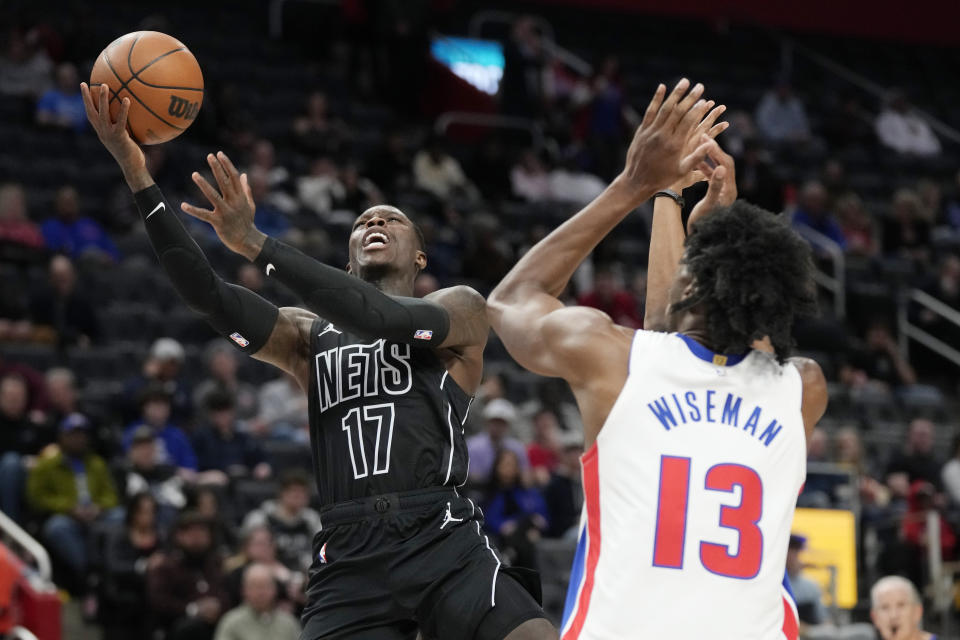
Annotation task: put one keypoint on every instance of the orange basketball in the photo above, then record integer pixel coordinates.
(159, 75)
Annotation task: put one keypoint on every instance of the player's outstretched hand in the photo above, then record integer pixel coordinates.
(658, 156)
(233, 206)
(711, 130)
(722, 190)
(113, 135)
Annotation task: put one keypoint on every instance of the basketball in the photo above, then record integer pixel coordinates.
(159, 75)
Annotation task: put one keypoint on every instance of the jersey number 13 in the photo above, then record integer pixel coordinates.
(670, 538)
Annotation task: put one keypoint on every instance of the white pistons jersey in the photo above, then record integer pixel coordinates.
(689, 492)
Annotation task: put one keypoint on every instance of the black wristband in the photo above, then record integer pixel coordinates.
(673, 195)
(265, 257)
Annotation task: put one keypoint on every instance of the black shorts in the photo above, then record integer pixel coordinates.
(388, 566)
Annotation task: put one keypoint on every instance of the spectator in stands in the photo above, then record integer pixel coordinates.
(173, 445)
(896, 610)
(359, 192)
(491, 168)
(139, 472)
(564, 493)
(290, 519)
(62, 106)
(917, 460)
(62, 310)
(756, 179)
(258, 617)
(259, 548)
(812, 212)
(439, 173)
(857, 226)
(498, 415)
(283, 411)
(568, 183)
(906, 230)
(605, 115)
(945, 287)
(162, 368)
(529, 179)
(879, 361)
(781, 117)
(950, 474)
(204, 499)
(25, 68)
(222, 363)
(818, 490)
(185, 589)
(904, 130)
(513, 511)
(36, 386)
(544, 452)
(807, 594)
(62, 395)
(263, 157)
(20, 238)
(316, 131)
(611, 298)
(321, 191)
(271, 213)
(221, 446)
(489, 256)
(522, 85)
(126, 555)
(72, 488)
(922, 500)
(72, 234)
(20, 438)
(874, 495)
(392, 164)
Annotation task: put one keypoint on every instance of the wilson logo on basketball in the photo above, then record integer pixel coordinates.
(182, 108)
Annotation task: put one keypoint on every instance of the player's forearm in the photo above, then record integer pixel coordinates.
(351, 303)
(549, 265)
(666, 248)
(233, 311)
(137, 177)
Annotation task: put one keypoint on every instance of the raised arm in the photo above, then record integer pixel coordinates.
(524, 309)
(450, 322)
(253, 324)
(667, 235)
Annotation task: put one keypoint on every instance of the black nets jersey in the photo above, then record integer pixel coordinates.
(385, 417)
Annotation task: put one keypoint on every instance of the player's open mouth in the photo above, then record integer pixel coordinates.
(375, 240)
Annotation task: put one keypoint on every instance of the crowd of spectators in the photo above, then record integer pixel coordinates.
(152, 494)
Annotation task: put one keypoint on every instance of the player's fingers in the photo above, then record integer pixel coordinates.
(220, 175)
(88, 105)
(717, 129)
(212, 195)
(710, 118)
(654, 105)
(668, 105)
(694, 159)
(246, 191)
(200, 214)
(683, 108)
(228, 166)
(103, 110)
(121, 123)
(689, 121)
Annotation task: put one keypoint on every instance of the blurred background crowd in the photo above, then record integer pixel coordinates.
(156, 464)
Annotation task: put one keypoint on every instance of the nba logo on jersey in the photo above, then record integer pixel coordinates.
(239, 339)
(423, 334)
(323, 553)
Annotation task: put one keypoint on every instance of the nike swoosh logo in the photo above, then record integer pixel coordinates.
(270, 268)
(159, 207)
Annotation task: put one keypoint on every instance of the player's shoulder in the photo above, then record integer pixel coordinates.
(460, 294)
(811, 374)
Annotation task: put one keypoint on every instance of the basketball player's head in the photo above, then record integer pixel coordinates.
(744, 275)
(895, 609)
(385, 243)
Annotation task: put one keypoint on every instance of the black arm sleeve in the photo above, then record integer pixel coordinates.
(234, 312)
(352, 303)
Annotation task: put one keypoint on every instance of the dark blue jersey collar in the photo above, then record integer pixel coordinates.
(705, 354)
